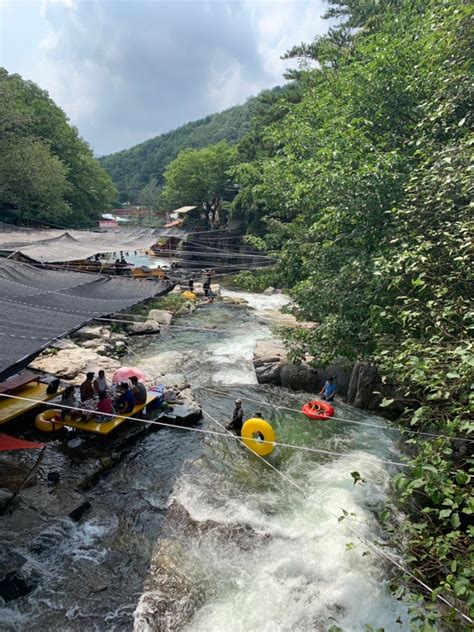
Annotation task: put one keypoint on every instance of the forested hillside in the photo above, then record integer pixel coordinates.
(359, 185)
(132, 169)
(47, 172)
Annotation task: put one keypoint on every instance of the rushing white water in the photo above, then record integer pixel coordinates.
(260, 301)
(263, 556)
(197, 534)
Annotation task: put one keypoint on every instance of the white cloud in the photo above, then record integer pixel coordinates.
(124, 70)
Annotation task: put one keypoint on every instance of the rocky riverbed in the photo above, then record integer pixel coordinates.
(158, 530)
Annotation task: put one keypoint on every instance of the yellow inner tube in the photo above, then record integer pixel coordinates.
(255, 428)
(44, 421)
(189, 295)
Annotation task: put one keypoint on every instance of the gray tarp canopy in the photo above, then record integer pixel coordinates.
(53, 246)
(38, 306)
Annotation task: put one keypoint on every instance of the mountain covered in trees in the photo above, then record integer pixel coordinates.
(138, 172)
(48, 174)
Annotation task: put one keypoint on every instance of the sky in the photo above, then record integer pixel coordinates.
(127, 70)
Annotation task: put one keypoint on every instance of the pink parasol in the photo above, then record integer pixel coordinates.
(125, 373)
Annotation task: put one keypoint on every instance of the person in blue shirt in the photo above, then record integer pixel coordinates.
(126, 401)
(328, 392)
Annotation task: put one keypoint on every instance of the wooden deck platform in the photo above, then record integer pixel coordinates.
(11, 408)
(104, 428)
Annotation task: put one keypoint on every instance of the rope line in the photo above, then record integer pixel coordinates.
(273, 443)
(343, 419)
(362, 538)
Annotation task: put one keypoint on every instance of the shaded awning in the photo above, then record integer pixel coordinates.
(52, 246)
(39, 306)
(12, 443)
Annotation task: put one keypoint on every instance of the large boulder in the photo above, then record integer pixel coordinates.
(234, 300)
(269, 351)
(366, 390)
(269, 374)
(73, 364)
(269, 358)
(160, 316)
(186, 308)
(146, 328)
(298, 377)
(88, 333)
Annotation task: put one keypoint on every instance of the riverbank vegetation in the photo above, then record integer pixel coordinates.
(357, 180)
(47, 172)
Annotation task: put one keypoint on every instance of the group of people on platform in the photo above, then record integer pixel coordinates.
(96, 394)
(121, 265)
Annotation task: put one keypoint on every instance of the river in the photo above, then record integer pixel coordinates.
(194, 533)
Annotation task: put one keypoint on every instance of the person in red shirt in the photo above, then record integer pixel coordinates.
(104, 405)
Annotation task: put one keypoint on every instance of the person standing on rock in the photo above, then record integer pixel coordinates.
(328, 392)
(237, 418)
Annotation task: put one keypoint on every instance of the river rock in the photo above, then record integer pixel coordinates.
(175, 380)
(198, 289)
(146, 328)
(187, 308)
(160, 316)
(73, 364)
(87, 333)
(366, 389)
(364, 379)
(5, 495)
(298, 377)
(12, 475)
(269, 290)
(64, 343)
(234, 300)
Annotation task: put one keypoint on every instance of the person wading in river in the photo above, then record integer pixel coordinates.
(328, 392)
(237, 418)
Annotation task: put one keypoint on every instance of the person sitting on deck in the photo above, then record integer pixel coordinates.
(87, 387)
(104, 406)
(138, 390)
(328, 392)
(68, 398)
(100, 383)
(126, 401)
(237, 418)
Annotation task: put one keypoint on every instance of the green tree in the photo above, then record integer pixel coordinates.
(363, 187)
(200, 177)
(149, 196)
(59, 178)
(131, 169)
(33, 182)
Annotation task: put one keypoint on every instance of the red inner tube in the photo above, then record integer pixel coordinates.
(317, 410)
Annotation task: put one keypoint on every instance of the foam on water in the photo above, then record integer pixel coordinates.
(260, 301)
(301, 572)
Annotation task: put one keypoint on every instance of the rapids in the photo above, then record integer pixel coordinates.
(194, 533)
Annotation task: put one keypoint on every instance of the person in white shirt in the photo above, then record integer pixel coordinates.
(100, 383)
